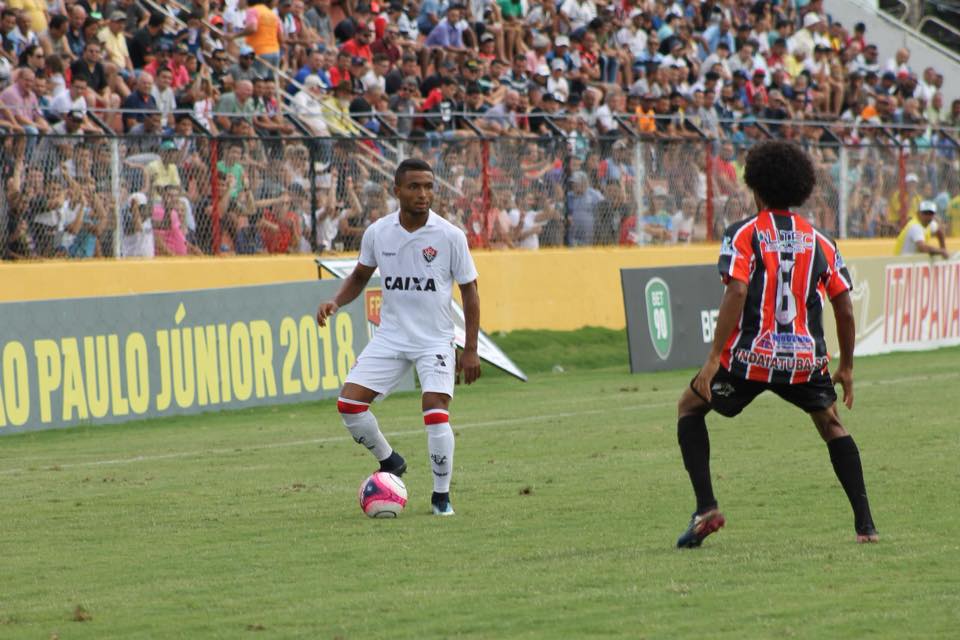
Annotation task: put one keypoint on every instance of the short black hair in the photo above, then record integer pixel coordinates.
(410, 164)
(780, 173)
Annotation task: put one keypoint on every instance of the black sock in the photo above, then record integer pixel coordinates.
(440, 498)
(695, 448)
(846, 464)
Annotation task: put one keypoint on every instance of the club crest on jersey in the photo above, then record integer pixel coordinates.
(429, 254)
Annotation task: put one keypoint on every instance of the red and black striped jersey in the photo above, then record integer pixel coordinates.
(788, 266)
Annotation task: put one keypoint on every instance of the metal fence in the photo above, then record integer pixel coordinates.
(164, 194)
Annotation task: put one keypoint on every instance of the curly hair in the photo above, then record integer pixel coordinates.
(780, 173)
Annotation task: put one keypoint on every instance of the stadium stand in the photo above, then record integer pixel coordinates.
(154, 127)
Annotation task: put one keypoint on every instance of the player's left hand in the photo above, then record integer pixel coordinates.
(845, 377)
(468, 362)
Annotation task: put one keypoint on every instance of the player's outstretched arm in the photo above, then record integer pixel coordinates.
(846, 336)
(470, 360)
(731, 308)
(349, 290)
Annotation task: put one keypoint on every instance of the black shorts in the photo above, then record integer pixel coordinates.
(729, 395)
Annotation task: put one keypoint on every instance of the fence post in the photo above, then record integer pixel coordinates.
(485, 173)
(902, 183)
(844, 190)
(312, 173)
(639, 173)
(708, 161)
(214, 198)
(115, 190)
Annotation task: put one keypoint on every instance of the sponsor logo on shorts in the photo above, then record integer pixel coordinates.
(429, 254)
(722, 389)
(781, 363)
(441, 360)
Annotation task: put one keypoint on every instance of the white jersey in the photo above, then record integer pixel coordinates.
(417, 272)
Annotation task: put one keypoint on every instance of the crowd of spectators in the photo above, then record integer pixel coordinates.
(564, 87)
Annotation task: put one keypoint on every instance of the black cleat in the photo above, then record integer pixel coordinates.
(441, 504)
(867, 534)
(394, 464)
(701, 525)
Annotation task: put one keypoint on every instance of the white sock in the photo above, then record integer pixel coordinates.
(440, 446)
(362, 425)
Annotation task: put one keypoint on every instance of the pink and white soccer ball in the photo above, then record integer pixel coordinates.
(383, 495)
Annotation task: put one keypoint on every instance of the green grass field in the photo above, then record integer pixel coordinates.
(569, 493)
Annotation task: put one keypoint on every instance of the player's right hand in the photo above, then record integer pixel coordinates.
(325, 310)
(701, 384)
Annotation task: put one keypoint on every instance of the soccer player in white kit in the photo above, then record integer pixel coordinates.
(419, 255)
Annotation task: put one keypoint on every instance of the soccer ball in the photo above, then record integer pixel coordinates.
(382, 495)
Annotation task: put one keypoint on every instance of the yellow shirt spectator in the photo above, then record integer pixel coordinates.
(162, 172)
(913, 201)
(36, 9)
(115, 44)
(952, 217)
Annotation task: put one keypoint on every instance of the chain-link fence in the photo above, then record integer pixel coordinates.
(156, 195)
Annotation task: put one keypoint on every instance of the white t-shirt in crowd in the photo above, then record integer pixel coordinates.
(417, 272)
(915, 235)
(139, 244)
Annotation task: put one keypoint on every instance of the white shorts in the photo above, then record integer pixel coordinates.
(381, 368)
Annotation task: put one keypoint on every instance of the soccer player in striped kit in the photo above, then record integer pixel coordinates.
(420, 255)
(778, 270)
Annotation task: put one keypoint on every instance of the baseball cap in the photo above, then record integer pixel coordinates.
(472, 65)
(912, 177)
(558, 64)
(168, 145)
(487, 37)
(312, 80)
(927, 206)
(811, 19)
(357, 60)
(542, 70)
(78, 114)
(246, 50)
(138, 198)
(562, 41)
(118, 16)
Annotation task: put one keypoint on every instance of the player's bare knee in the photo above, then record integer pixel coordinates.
(431, 400)
(690, 404)
(828, 424)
